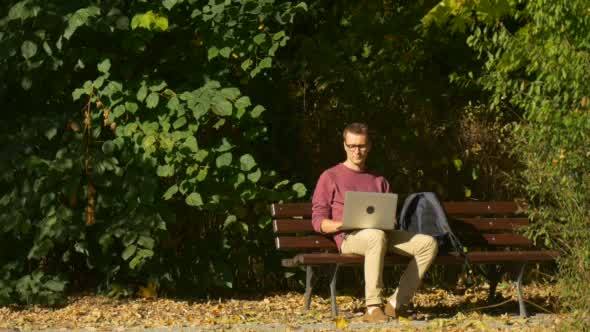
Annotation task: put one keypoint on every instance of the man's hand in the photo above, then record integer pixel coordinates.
(331, 226)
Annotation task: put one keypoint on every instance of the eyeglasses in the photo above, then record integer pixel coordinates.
(361, 147)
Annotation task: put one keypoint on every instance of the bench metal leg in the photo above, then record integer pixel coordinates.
(521, 306)
(333, 291)
(308, 286)
(493, 273)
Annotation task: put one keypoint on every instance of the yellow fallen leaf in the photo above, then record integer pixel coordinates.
(148, 292)
(480, 325)
(403, 320)
(341, 323)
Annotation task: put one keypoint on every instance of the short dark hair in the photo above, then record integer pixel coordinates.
(357, 128)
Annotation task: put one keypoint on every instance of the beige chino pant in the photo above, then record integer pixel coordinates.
(374, 244)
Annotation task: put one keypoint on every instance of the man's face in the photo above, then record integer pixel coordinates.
(357, 148)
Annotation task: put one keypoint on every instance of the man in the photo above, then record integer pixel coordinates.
(328, 207)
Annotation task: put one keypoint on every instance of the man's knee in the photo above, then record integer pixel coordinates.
(429, 244)
(376, 237)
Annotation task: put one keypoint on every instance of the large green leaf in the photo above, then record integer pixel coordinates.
(170, 192)
(131, 106)
(194, 199)
(150, 20)
(255, 176)
(180, 122)
(146, 241)
(246, 64)
(259, 38)
(104, 66)
(161, 23)
(225, 52)
(168, 4)
(243, 102)
(224, 146)
(129, 251)
(224, 159)
(222, 107)
(201, 155)
(265, 63)
(202, 175)
(152, 100)
(230, 93)
(191, 143)
(212, 52)
(23, 10)
(173, 104)
(80, 18)
(300, 189)
(158, 87)
(230, 219)
(247, 162)
(142, 93)
(257, 111)
(28, 49)
(165, 170)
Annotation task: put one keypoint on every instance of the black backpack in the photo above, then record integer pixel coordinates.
(422, 213)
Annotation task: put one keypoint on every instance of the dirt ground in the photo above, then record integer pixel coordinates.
(433, 309)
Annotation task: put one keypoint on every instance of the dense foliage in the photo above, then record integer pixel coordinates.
(128, 149)
(537, 63)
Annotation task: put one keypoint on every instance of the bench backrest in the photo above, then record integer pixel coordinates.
(477, 224)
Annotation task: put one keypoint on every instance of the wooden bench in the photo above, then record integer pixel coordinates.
(486, 229)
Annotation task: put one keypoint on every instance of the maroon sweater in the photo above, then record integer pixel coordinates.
(328, 197)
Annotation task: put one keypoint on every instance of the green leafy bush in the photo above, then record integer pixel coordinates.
(537, 64)
(129, 152)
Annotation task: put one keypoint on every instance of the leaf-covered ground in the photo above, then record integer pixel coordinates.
(435, 309)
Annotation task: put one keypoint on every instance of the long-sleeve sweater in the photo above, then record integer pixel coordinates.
(328, 196)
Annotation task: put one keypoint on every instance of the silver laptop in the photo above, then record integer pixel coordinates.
(369, 210)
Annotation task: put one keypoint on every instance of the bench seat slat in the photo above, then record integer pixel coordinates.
(304, 243)
(501, 239)
(481, 208)
(322, 242)
(477, 257)
(290, 210)
(487, 224)
(285, 226)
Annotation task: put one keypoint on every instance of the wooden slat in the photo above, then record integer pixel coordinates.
(331, 258)
(459, 225)
(480, 257)
(304, 243)
(532, 256)
(480, 208)
(350, 259)
(506, 239)
(324, 243)
(289, 210)
(283, 226)
(494, 240)
(487, 224)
